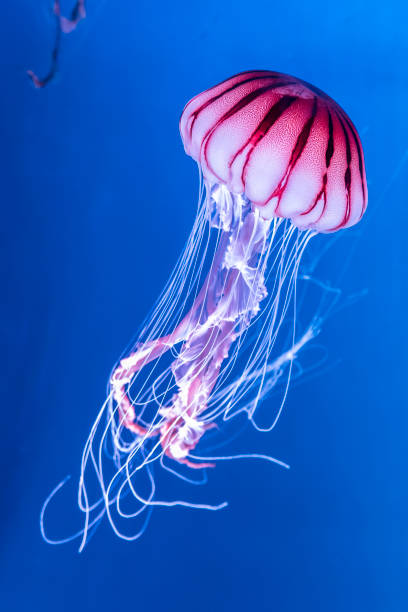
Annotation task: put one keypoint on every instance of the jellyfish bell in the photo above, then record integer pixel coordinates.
(283, 143)
(280, 162)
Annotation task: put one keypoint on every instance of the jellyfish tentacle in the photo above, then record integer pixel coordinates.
(202, 348)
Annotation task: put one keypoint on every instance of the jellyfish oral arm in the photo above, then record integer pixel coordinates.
(123, 375)
(222, 311)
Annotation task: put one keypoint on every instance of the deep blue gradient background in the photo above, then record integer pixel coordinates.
(97, 200)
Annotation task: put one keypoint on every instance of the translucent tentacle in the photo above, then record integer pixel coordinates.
(211, 349)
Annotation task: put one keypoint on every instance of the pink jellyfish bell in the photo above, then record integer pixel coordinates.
(280, 162)
(284, 144)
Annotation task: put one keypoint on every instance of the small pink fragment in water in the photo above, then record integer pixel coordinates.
(65, 25)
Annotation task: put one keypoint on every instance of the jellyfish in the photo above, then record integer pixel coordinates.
(279, 163)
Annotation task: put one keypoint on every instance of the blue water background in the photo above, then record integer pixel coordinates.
(98, 198)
